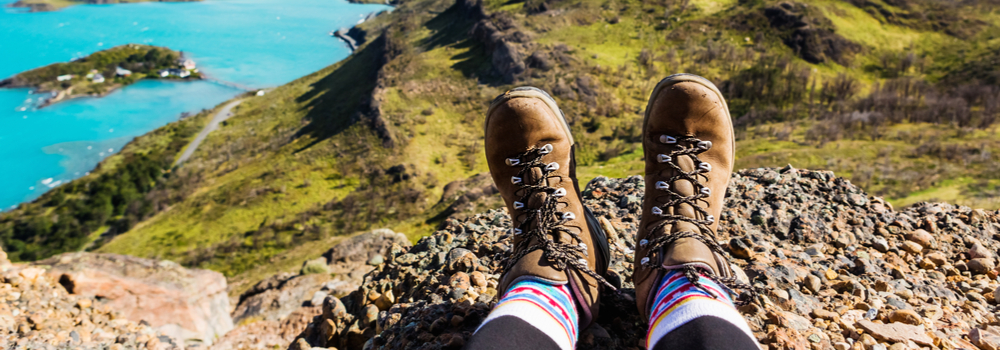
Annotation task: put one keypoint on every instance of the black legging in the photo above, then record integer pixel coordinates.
(703, 333)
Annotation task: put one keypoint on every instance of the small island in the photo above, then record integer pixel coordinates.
(104, 71)
(52, 5)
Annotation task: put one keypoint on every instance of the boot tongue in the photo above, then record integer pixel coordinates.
(687, 250)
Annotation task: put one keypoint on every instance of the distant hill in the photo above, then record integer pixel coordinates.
(899, 97)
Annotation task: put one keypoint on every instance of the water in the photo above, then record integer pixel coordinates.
(255, 43)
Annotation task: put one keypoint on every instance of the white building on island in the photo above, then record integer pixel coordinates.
(122, 72)
(98, 78)
(64, 77)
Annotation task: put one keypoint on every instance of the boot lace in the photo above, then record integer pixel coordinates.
(544, 223)
(659, 240)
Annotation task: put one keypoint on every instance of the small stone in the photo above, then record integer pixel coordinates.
(740, 249)
(896, 332)
(896, 346)
(923, 238)
(370, 315)
(841, 346)
(880, 244)
(981, 266)
(376, 259)
(300, 344)
(813, 283)
(814, 338)
(906, 316)
(478, 279)
(979, 251)
(385, 301)
(459, 280)
(912, 247)
(830, 274)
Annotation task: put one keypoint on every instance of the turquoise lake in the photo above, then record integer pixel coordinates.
(254, 43)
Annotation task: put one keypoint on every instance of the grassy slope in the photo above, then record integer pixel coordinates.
(297, 166)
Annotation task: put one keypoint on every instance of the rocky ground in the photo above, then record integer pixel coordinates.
(840, 270)
(36, 312)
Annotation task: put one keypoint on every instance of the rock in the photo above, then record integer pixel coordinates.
(979, 251)
(986, 339)
(896, 332)
(905, 316)
(981, 266)
(184, 303)
(813, 283)
(376, 259)
(317, 266)
(385, 301)
(797, 223)
(923, 238)
(278, 296)
(912, 247)
(461, 259)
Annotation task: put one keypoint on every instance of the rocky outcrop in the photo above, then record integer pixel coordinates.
(839, 270)
(187, 304)
(338, 272)
(36, 312)
(501, 37)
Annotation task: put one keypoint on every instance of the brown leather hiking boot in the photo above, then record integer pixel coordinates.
(689, 150)
(529, 149)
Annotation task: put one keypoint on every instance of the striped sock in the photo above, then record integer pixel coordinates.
(546, 307)
(678, 301)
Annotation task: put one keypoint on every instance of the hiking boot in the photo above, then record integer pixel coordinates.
(529, 149)
(687, 138)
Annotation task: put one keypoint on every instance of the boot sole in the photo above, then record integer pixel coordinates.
(531, 92)
(688, 77)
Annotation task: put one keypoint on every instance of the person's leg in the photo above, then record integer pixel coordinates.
(532, 315)
(684, 316)
(689, 148)
(551, 280)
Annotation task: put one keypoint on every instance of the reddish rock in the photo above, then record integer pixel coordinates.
(896, 332)
(184, 303)
(986, 339)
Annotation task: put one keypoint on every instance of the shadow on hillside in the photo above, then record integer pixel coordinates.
(453, 27)
(336, 101)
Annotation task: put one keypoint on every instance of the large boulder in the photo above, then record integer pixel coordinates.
(187, 304)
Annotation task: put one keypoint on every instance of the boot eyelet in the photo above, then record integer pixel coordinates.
(706, 191)
(552, 166)
(662, 185)
(705, 145)
(513, 161)
(643, 243)
(644, 261)
(705, 167)
(668, 139)
(657, 211)
(516, 180)
(518, 205)
(546, 149)
(517, 231)
(559, 192)
(710, 218)
(663, 158)
(568, 216)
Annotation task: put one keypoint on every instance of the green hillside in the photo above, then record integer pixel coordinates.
(900, 96)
